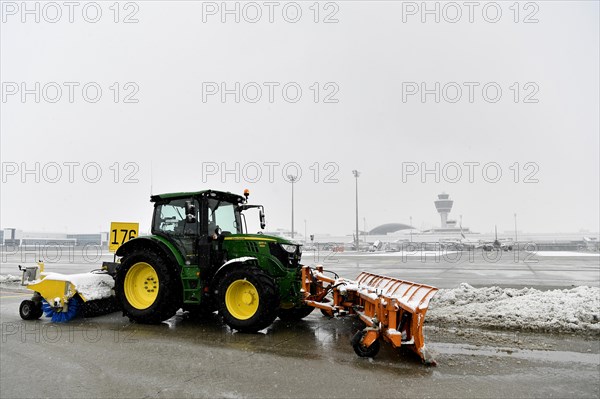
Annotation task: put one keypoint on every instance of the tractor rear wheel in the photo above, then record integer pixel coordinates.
(248, 299)
(146, 287)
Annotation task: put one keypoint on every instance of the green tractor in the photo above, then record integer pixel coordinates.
(201, 258)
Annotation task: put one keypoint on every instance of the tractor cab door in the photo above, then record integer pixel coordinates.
(222, 219)
(171, 221)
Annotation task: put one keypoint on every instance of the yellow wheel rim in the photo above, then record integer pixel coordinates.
(241, 299)
(141, 285)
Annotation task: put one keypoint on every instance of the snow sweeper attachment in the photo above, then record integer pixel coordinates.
(392, 309)
(62, 297)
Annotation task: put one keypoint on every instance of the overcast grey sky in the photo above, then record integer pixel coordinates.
(361, 68)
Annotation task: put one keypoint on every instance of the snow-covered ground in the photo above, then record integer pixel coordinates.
(566, 310)
(9, 278)
(408, 254)
(561, 254)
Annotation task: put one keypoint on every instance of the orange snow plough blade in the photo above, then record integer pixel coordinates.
(392, 309)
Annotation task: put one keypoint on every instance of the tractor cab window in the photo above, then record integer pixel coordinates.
(170, 219)
(223, 215)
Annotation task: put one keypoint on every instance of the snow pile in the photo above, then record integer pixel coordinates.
(9, 278)
(567, 310)
(90, 285)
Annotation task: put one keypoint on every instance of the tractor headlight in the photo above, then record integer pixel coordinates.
(288, 248)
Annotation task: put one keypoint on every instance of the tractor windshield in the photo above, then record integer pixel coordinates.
(223, 215)
(170, 219)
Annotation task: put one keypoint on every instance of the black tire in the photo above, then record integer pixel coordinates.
(294, 314)
(362, 350)
(268, 299)
(30, 310)
(168, 298)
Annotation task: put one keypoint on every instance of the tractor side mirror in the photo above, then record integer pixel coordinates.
(261, 217)
(190, 212)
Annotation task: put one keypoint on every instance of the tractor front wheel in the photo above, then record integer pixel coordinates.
(147, 289)
(248, 299)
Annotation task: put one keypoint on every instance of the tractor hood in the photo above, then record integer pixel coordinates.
(259, 237)
(284, 252)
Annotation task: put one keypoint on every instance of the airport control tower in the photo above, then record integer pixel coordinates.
(444, 205)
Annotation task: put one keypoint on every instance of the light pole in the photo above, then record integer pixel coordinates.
(411, 229)
(292, 179)
(365, 229)
(356, 173)
(304, 231)
(516, 235)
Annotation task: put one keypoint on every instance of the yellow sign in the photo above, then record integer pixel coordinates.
(120, 233)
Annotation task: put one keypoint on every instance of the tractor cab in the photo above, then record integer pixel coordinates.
(202, 213)
(197, 223)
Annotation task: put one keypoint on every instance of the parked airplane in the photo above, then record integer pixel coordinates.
(498, 245)
(461, 243)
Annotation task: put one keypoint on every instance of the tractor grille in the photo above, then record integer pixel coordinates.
(287, 259)
(252, 246)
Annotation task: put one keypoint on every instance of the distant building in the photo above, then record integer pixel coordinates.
(443, 205)
(86, 239)
(389, 228)
(9, 237)
(41, 241)
(13, 237)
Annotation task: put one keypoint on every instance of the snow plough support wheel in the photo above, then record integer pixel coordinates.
(361, 349)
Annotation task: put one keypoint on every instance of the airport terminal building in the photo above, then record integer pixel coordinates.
(19, 238)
